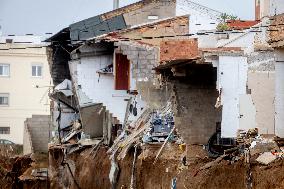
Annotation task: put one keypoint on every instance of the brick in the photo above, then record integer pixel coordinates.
(178, 50)
(277, 31)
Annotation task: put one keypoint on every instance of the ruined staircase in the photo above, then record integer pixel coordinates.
(36, 135)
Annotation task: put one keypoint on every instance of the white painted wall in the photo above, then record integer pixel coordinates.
(247, 112)
(100, 87)
(243, 40)
(271, 7)
(276, 7)
(198, 21)
(232, 75)
(279, 93)
(25, 39)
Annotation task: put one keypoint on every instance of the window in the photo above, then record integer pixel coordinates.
(36, 70)
(4, 69)
(5, 130)
(4, 99)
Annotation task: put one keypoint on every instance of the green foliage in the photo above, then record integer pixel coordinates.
(223, 24)
(222, 27)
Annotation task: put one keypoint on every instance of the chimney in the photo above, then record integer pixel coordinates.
(115, 4)
(257, 9)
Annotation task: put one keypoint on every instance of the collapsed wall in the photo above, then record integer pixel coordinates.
(196, 117)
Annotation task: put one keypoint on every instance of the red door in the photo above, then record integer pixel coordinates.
(122, 69)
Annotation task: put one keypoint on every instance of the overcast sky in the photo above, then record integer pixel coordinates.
(20, 17)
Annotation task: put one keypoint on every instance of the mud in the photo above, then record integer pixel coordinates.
(92, 172)
(15, 171)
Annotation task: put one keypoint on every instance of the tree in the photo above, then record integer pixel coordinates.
(224, 17)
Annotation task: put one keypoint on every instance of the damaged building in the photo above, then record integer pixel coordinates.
(135, 81)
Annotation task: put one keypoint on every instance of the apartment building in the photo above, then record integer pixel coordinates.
(24, 84)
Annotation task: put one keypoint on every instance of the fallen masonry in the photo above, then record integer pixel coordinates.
(135, 161)
(20, 171)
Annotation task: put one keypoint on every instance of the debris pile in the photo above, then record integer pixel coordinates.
(161, 125)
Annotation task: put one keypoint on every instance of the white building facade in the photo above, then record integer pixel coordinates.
(24, 84)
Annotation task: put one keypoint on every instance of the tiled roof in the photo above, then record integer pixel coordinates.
(241, 24)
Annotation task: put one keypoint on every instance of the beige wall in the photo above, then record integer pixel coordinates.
(263, 92)
(24, 98)
(161, 9)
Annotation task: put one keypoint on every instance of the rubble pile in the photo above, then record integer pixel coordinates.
(22, 171)
(11, 170)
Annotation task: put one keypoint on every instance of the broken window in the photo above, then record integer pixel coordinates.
(122, 72)
(5, 130)
(4, 69)
(4, 99)
(36, 70)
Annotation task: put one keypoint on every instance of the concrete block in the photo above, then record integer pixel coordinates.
(266, 158)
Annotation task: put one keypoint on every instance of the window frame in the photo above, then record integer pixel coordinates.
(37, 65)
(9, 68)
(5, 132)
(5, 95)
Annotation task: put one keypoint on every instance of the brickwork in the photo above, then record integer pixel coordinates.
(277, 31)
(156, 32)
(142, 58)
(178, 50)
(38, 130)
